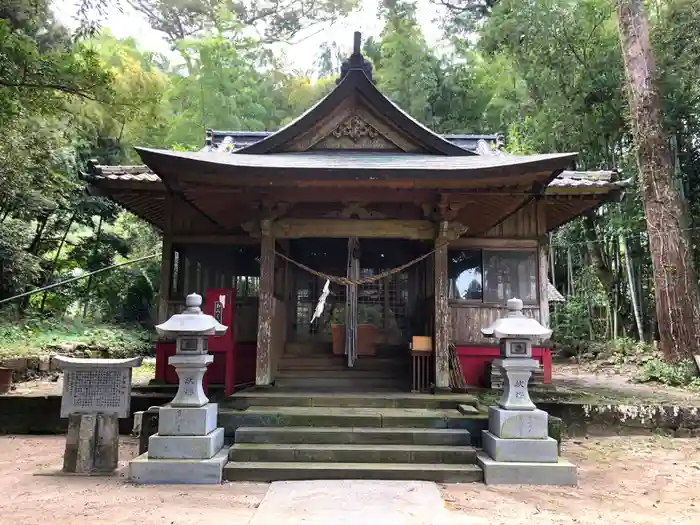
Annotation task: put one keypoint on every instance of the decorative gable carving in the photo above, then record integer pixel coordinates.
(355, 128)
(354, 133)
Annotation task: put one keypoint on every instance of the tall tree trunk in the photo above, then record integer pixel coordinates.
(633, 288)
(602, 268)
(54, 263)
(675, 282)
(88, 288)
(616, 306)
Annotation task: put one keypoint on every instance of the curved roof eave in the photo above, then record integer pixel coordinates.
(311, 166)
(356, 80)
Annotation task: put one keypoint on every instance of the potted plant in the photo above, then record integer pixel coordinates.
(338, 330)
(368, 319)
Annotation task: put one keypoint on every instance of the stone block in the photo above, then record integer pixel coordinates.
(18, 364)
(92, 443)
(44, 363)
(136, 427)
(467, 409)
(518, 424)
(146, 470)
(106, 443)
(186, 447)
(523, 473)
(526, 450)
(191, 421)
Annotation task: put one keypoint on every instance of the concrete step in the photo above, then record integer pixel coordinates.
(335, 362)
(287, 471)
(335, 373)
(322, 453)
(351, 417)
(355, 436)
(350, 383)
(280, 397)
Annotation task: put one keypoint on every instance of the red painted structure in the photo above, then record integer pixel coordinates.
(475, 361)
(234, 363)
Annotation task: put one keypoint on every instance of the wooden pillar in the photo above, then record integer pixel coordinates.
(263, 365)
(442, 315)
(181, 273)
(166, 261)
(542, 281)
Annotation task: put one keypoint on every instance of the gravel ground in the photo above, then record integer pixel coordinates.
(622, 481)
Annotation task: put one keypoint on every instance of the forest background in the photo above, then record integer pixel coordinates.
(547, 74)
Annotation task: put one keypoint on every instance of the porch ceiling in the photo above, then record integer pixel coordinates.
(141, 191)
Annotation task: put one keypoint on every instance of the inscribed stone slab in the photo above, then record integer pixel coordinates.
(103, 390)
(181, 421)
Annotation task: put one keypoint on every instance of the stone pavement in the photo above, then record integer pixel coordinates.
(353, 502)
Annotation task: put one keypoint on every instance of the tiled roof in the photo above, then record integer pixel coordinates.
(553, 295)
(125, 173)
(358, 160)
(578, 180)
(240, 139)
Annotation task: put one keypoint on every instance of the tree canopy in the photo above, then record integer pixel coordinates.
(548, 74)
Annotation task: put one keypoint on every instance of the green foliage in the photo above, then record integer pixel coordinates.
(546, 73)
(36, 336)
(684, 373)
(625, 350)
(40, 67)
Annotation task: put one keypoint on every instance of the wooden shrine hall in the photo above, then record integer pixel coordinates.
(424, 235)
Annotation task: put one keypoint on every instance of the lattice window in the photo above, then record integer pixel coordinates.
(246, 286)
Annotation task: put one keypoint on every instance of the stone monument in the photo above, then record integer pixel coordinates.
(188, 448)
(96, 393)
(517, 448)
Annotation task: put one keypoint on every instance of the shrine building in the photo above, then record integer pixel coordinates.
(421, 236)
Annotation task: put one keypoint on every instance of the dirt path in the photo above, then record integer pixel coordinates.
(622, 481)
(33, 494)
(616, 384)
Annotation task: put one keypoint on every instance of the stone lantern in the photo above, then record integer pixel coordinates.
(515, 334)
(188, 447)
(517, 447)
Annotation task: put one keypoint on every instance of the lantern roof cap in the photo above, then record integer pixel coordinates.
(515, 324)
(192, 321)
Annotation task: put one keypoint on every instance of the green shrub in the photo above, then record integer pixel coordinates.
(680, 374)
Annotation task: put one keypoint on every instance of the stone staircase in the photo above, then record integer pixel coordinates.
(281, 434)
(314, 367)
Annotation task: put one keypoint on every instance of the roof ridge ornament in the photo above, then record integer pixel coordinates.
(356, 61)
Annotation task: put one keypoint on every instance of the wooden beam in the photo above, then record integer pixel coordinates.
(344, 228)
(209, 238)
(166, 261)
(264, 356)
(495, 243)
(442, 314)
